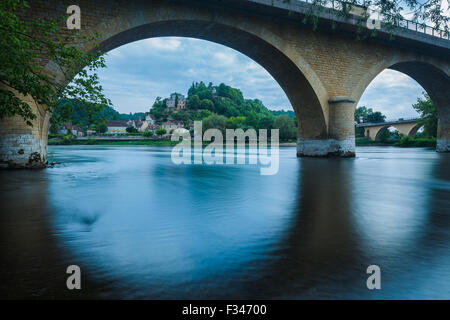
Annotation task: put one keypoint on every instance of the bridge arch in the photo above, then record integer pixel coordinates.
(408, 130)
(304, 98)
(434, 77)
(413, 131)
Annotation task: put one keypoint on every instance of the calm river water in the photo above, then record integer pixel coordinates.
(141, 227)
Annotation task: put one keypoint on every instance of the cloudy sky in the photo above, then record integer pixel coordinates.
(140, 71)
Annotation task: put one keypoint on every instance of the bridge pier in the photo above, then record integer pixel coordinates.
(21, 145)
(341, 132)
(443, 130)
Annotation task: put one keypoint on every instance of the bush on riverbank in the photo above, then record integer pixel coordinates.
(367, 142)
(402, 142)
(416, 142)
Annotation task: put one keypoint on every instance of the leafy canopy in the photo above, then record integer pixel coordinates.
(30, 49)
(391, 12)
(428, 115)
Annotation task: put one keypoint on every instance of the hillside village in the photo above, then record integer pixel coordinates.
(148, 123)
(218, 107)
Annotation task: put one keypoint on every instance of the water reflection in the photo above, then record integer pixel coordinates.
(140, 227)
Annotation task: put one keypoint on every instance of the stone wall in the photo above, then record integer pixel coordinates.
(21, 145)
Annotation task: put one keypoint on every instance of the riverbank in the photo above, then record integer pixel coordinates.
(131, 142)
(404, 142)
(140, 141)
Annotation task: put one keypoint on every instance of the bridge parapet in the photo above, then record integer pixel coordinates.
(387, 122)
(404, 31)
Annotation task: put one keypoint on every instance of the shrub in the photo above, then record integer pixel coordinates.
(161, 131)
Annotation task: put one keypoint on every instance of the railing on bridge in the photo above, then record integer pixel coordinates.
(387, 122)
(362, 12)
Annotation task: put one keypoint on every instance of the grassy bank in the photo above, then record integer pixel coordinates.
(404, 142)
(147, 142)
(64, 142)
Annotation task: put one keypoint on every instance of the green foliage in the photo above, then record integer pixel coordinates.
(236, 122)
(161, 131)
(147, 133)
(267, 122)
(363, 115)
(193, 102)
(76, 113)
(54, 128)
(428, 115)
(215, 121)
(131, 129)
(290, 113)
(55, 135)
(406, 141)
(384, 135)
(202, 114)
(287, 127)
(91, 141)
(23, 44)
(102, 128)
(391, 14)
(207, 105)
(205, 101)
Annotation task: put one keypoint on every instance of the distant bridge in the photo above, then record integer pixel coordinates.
(373, 131)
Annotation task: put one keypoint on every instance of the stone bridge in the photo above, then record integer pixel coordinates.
(323, 72)
(407, 127)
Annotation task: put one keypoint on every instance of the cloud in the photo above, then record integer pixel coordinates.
(393, 79)
(393, 93)
(140, 71)
(224, 58)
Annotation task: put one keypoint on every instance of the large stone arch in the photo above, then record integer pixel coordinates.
(433, 75)
(304, 98)
(380, 131)
(263, 40)
(436, 83)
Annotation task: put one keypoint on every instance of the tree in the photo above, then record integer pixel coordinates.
(267, 122)
(428, 115)
(161, 131)
(252, 119)
(131, 129)
(102, 128)
(54, 128)
(215, 121)
(363, 114)
(286, 125)
(148, 133)
(236, 122)
(384, 135)
(376, 117)
(23, 44)
(202, 114)
(193, 102)
(207, 104)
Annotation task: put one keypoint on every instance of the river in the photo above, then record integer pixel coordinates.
(142, 227)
